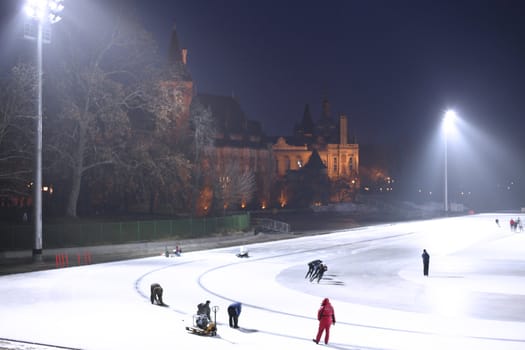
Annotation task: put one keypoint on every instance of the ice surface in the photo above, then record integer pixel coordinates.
(474, 297)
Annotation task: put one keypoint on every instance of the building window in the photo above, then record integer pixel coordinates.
(299, 163)
(335, 165)
(351, 165)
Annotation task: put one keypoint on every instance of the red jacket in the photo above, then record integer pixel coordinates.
(326, 312)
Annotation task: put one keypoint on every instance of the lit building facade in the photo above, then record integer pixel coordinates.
(276, 163)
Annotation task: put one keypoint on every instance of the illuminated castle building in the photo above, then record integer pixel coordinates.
(316, 165)
(319, 148)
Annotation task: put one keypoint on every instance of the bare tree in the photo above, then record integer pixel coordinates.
(101, 80)
(17, 128)
(203, 139)
(233, 186)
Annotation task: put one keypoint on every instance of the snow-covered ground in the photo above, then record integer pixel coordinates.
(474, 297)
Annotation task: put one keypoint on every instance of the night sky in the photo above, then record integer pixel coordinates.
(393, 67)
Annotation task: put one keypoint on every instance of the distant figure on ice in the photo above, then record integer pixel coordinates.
(177, 251)
(512, 225)
(497, 222)
(234, 310)
(203, 315)
(312, 266)
(204, 309)
(156, 294)
(243, 253)
(426, 261)
(326, 317)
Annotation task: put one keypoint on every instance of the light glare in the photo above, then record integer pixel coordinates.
(38, 9)
(449, 120)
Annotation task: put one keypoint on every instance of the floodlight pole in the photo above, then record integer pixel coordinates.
(37, 188)
(446, 173)
(44, 12)
(447, 123)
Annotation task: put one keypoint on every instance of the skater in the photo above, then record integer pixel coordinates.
(234, 310)
(326, 317)
(318, 273)
(321, 271)
(204, 309)
(312, 266)
(315, 273)
(156, 294)
(497, 222)
(177, 251)
(426, 261)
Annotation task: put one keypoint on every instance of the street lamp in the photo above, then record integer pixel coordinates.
(448, 124)
(43, 13)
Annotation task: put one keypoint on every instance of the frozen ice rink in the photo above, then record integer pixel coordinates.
(474, 297)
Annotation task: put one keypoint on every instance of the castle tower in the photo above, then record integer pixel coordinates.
(307, 122)
(175, 52)
(343, 129)
(304, 131)
(325, 128)
(179, 83)
(326, 109)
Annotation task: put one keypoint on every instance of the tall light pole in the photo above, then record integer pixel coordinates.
(448, 123)
(43, 13)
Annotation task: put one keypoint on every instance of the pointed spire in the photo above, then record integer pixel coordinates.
(307, 115)
(314, 162)
(326, 108)
(307, 123)
(175, 52)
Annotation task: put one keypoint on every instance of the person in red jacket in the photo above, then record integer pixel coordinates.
(326, 317)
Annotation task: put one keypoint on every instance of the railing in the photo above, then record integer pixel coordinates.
(269, 225)
(18, 237)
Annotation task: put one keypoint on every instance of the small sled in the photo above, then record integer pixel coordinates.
(243, 253)
(202, 325)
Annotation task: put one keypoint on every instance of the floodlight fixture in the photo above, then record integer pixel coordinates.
(44, 10)
(449, 120)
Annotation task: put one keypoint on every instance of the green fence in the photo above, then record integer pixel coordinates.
(19, 237)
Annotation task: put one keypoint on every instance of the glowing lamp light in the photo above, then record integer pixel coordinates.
(39, 9)
(449, 120)
(56, 6)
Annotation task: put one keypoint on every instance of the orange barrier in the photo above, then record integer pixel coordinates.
(61, 260)
(87, 258)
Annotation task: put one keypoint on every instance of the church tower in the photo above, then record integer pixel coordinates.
(305, 130)
(325, 129)
(179, 84)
